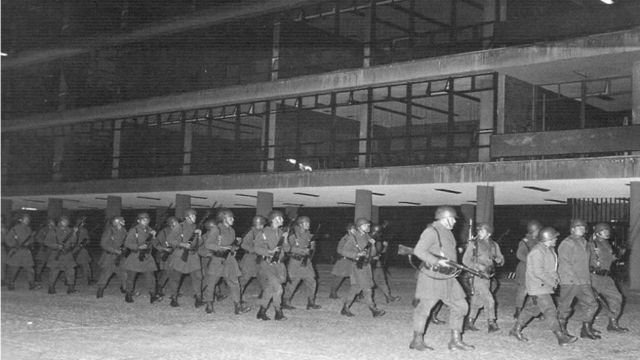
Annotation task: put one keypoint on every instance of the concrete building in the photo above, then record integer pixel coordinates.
(362, 104)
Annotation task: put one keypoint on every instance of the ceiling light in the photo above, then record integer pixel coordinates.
(292, 204)
(536, 188)
(28, 208)
(245, 205)
(148, 198)
(378, 194)
(556, 201)
(608, 2)
(306, 194)
(449, 191)
(408, 202)
(247, 195)
(346, 203)
(199, 197)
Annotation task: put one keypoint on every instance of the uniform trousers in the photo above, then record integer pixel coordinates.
(606, 287)
(586, 301)
(429, 291)
(271, 277)
(540, 304)
(482, 298)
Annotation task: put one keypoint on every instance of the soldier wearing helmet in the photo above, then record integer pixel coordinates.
(83, 258)
(139, 260)
(272, 271)
(220, 242)
(248, 262)
(111, 242)
(378, 267)
(342, 268)
(524, 246)
(42, 252)
(541, 279)
(359, 249)
(299, 246)
(162, 254)
(575, 281)
(185, 239)
(62, 241)
(18, 241)
(433, 286)
(602, 257)
(483, 254)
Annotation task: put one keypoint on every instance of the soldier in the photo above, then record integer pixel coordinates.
(139, 259)
(602, 256)
(483, 254)
(62, 241)
(575, 281)
(359, 249)
(526, 244)
(185, 240)
(299, 248)
(436, 280)
(248, 263)
(163, 250)
(220, 244)
(378, 267)
(111, 242)
(541, 280)
(43, 252)
(18, 241)
(3, 257)
(272, 272)
(83, 259)
(342, 268)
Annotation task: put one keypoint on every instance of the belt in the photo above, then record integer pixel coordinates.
(600, 272)
(220, 253)
(297, 256)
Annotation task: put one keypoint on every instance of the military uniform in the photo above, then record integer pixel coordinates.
(300, 267)
(180, 235)
(61, 241)
(342, 268)
(249, 262)
(140, 260)
(42, 254)
(83, 259)
(110, 262)
(270, 274)
(524, 246)
(18, 241)
(161, 254)
(378, 268)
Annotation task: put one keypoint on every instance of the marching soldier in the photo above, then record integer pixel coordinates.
(3, 258)
(342, 268)
(541, 280)
(83, 259)
(299, 248)
(359, 249)
(272, 272)
(483, 255)
(220, 243)
(140, 259)
(18, 241)
(602, 256)
(575, 280)
(62, 241)
(377, 267)
(436, 282)
(526, 244)
(249, 262)
(185, 239)
(111, 242)
(163, 250)
(43, 252)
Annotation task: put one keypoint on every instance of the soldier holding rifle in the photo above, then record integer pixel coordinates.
(139, 259)
(378, 267)
(62, 241)
(342, 268)
(163, 250)
(18, 241)
(81, 254)
(111, 242)
(300, 267)
(272, 272)
(42, 253)
(524, 246)
(185, 239)
(249, 262)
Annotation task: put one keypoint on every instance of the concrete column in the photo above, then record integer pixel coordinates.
(271, 138)
(364, 201)
(634, 236)
(500, 88)
(369, 35)
(264, 203)
(54, 208)
(114, 207)
(183, 202)
(362, 116)
(485, 204)
(117, 133)
(485, 129)
(7, 207)
(275, 51)
(467, 218)
(58, 157)
(635, 93)
(375, 214)
(187, 147)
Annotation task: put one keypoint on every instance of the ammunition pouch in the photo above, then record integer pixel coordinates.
(362, 261)
(221, 253)
(599, 271)
(297, 256)
(440, 269)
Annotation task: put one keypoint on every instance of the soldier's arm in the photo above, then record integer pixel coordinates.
(565, 257)
(131, 241)
(350, 250)
(499, 258)
(426, 241)
(248, 241)
(522, 251)
(261, 246)
(467, 258)
(11, 239)
(211, 239)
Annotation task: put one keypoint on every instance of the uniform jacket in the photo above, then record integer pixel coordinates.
(268, 241)
(573, 261)
(18, 240)
(137, 236)
(428, 245)
(542, 274)
(248, 241)
(488, 253)
(601, 254)
(65, 236)
(181, 234)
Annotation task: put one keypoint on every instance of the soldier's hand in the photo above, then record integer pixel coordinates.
(152, 232)
(185, 245)
(198, 231)
(119, 252)
(143, 247)
(443, 262)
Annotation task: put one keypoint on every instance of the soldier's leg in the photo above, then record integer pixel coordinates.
(234, 287)
(588, 308)
(311, 286)
(70, 276)
(337, 282)
(173, 285)
(289, 289)
(54, 272)
(12, 273)
(454, 297)
(609, 291)
(196, 284)
(520, 298)
(565, 299)
(31, 278)
(208, 289)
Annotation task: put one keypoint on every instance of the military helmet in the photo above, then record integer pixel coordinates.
(274, 214)
(64, 218)
(209, 224)
(533, 225)
(444, 212)
(548, 233)
(259, 220)
(143, 215)
(483, 225)
(350, 226)
(361, 221)
(117, 219)
(23, 215)
(189, 212)
(302, 219)
(171, 220)
(601, 227)
(577, 222)
(223, 213)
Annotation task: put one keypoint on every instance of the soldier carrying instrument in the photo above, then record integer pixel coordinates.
(62, 241)
(111, 242)
(272, 272)
(138, 241)
(18, 241)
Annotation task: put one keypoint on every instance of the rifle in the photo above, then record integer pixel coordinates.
(164, 254)
(311, 247)
(65, 248)
(406, 250)
(196, 238)
(362, 259)
(278, 249)
(142, 254)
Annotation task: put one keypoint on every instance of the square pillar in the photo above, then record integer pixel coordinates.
(114, 207)
(183, 202)
(264, 203)
(364, 201)
(375, 214)
(54, 208)
(485, 204)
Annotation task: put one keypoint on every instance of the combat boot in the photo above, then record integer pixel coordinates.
(517, 332)
(34, 286)
(614, 327)
(52, 290)
(376, 312)
(262, 314)
(311, 304)
(391, 299)
(345, 311)
(71, 289)
(333, 295)
(240, 308)
(100, 293)
(456, 342)
(516, 313)
(154, 297)
(563, 327)
(492, 326)
(209, 307)
(469, 324)
(585, 332)
(174, 301)
(279, 315)
(122, 290)
(417, 343)
(128, 297)
(564, 339)
(198, 301)
(286, 304)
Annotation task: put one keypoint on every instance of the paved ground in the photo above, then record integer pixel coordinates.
(36, 325)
